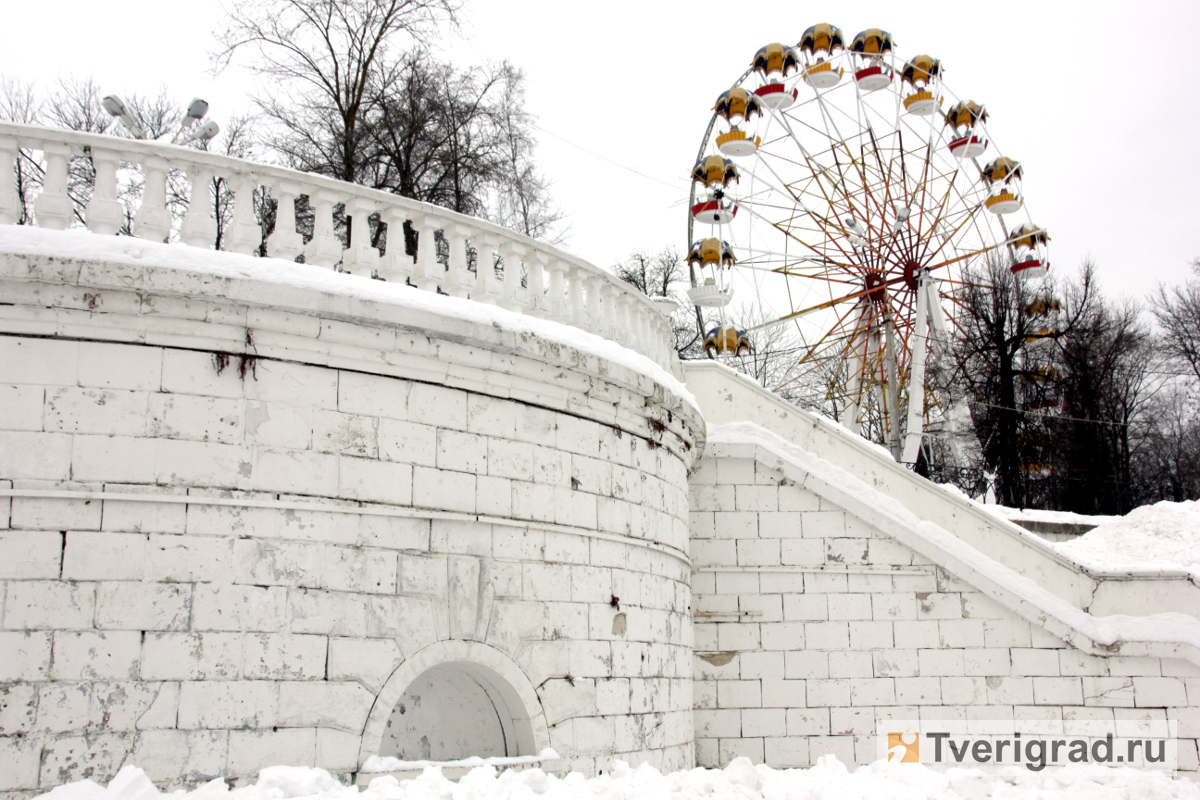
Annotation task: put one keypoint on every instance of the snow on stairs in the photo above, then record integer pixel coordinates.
(1131, 613)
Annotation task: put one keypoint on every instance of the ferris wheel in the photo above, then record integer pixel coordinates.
(846, 189)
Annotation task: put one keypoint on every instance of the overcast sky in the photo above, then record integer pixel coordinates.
(1098, 100)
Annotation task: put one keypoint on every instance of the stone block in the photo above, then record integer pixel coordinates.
(26, 555)
(283, 656)
(827, 635)
(120, 366)
(440, 489)
(100, 555)
(228, 704)
(806, 664)
(870, 635)
(1157, 692)
(962, 633)
(96, 655)
(439, 406)
(936, 663)
(851, 664)
(191, 656)
(26, 656)
(834, 692)
(276, 425)
(188, 559)
(122, 516)
(36, 605)
(918, 634)
(574, 508)
(1034, 661)
(226, 607)
(358, 569)
(200, 419)
(122, 459)
(69, 758)
(18, 708)
(136, 606)
(40, 361)
(252, 750)
(33, 455)
(323, 704)
(297, 472)
(964, 691)
(939, 605)
(1009, 691)
(851, 607)
(112, 412)
(802, 552)
(329, 613)
(368, 661)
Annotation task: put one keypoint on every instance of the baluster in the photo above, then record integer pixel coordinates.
(593, 311)
(576, 311)
(324, 249)
(511, 252)
(362, 257)
(52, 209)
(556, 296)
(396, 266)
(459, 280)
(199, 229)
(429, 271)
(487, 288)
(615, 324)
(244, 234)
(153, 220)
(10, 205)
(285, 241)
(104, 211)
(535, 283)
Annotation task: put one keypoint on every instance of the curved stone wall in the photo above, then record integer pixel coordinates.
(245, 508)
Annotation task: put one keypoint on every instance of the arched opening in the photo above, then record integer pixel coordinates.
(455, 710)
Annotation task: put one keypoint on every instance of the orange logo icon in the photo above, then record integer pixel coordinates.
(904, 747)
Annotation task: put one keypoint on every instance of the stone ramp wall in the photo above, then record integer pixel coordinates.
(811, 625)
(237, 518)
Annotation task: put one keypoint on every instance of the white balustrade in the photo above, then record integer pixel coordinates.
(153, 219)
(10, 201)
(362, 257)
(536, 278)
(199, 227)
(104, 211)
(285, 241)
(244, 234)
(53, 209)
(324, 249)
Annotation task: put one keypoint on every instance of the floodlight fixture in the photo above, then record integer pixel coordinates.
(204, 133)
(195, 112)
(113, 105)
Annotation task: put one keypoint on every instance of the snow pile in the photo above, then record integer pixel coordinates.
(390, 764)
(741, 780)
(1164, 536)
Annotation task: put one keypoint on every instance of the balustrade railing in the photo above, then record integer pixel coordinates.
(168, 194)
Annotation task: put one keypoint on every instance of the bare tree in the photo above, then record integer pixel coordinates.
(662, 274)
(326, 61)
(1177, 311)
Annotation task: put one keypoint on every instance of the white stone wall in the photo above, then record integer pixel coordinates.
(205, 570)
(811, 625)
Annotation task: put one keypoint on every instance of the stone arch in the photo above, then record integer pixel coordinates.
(467, 674)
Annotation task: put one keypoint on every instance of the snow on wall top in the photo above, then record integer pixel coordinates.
(84, 246)
(1163, 536)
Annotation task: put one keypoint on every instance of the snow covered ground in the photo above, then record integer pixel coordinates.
(1165, 535)
(741, 780)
